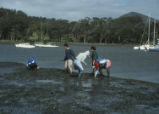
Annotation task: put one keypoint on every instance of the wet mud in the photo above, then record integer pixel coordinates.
(53, 91)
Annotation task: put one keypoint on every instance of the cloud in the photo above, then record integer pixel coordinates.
(77, 9)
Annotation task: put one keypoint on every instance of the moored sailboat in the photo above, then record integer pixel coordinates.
(155, 48)
(147, 45)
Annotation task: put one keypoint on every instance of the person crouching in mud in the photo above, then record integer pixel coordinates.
(94, 57)
(101, 64)
(69, 58)
(32, 65)
(79, 60)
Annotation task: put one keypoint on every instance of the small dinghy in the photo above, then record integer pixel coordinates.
(45, 45)
(136, 47)
(24, 45)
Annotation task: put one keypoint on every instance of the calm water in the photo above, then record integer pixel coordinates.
(126, 63)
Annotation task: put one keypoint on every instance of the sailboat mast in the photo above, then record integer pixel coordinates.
(154, 35)
(149, 32)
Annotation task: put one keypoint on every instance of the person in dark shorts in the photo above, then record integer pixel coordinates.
(32, 65)
(69, 58)
(94, 57)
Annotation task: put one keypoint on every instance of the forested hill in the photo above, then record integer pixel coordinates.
(17, 25)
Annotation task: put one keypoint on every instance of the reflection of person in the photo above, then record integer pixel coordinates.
(69, 57)
(32, 65)
(79, 60)
(102, 64)
(94, 57)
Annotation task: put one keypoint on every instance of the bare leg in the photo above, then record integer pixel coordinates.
(108, 72)
(100, 70)
(70, 69)
(38, 68)
(66, 66)
(96, 71)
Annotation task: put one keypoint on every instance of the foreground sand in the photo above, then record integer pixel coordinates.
(50, 91)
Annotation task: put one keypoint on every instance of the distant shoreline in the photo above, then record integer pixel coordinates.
(71, 43)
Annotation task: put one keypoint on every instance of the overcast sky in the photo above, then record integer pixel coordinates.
(77, 9)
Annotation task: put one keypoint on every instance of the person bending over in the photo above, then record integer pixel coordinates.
(101, 64)
(32, 65)
(79, 60)
(78, 66)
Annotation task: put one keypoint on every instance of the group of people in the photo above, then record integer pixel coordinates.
(98, 63)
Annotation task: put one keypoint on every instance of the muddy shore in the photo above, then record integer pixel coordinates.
(50, 91)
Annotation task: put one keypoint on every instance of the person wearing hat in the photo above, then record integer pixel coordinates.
(69, 58)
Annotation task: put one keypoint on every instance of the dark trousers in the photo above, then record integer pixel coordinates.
(33, 66)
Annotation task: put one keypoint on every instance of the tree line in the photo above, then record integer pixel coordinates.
(18, 26)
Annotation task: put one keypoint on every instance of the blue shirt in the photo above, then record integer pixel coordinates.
(69, 54)
(30, 61)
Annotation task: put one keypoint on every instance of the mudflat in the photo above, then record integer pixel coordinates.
(49, 91)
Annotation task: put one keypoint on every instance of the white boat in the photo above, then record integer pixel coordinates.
(155, 48)
(24, 45)
(136, 47)
(147, 45)
(143, 47)
(45, 45)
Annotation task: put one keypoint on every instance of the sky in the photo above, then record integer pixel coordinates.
(77, 9)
